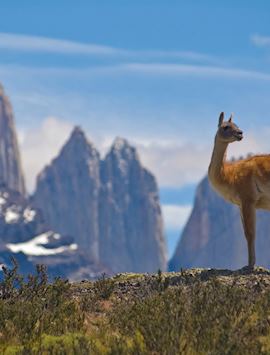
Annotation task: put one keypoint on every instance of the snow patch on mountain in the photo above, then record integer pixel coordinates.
(11, 215)
(29, 215)
(36, 246)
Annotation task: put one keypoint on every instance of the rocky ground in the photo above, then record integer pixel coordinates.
(142, 285)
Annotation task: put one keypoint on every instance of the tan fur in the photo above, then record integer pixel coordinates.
(245, 183)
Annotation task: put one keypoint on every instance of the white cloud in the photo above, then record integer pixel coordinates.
(260, 41)
(44, 44)
(40, 145)
(195, 70)
(173, 163)
(147, 69)
(250, 144)
(175, 217)
(19, 42)
(176, 164)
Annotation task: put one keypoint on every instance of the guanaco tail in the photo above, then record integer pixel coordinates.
(245, 183)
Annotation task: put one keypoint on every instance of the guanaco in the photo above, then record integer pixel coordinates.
(245, 183)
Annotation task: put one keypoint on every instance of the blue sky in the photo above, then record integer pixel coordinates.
(156, 72)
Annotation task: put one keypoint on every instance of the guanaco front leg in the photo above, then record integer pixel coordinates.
(248, 214)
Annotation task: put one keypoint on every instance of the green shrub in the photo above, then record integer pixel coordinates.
(104, 287)
(210, 317)
(101, 290)
(213, 319)
(33, 307)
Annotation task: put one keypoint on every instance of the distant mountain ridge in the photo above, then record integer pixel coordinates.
(110, 206)
(24, 232)
(87, 215)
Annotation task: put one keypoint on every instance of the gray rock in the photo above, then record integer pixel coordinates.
(111, 207)
(19, 221)
(24, 233)
(11, 174)
(25, 236)
(131, 226)
(68, 192)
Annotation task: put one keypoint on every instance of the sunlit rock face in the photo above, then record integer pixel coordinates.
(68, 192)
(131, 227)
(214, 237)
(110, 206)
(10, 162)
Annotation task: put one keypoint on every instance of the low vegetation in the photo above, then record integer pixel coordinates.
(192, 312)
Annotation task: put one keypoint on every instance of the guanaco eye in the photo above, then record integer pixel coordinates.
(225, 128)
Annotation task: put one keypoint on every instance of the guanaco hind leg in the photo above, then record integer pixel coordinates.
(248, 215)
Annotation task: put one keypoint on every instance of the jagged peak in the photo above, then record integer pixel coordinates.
(4, 99)
(77, 130)
(121, 146)
(78, 136)
(120, 143)
(122, 155)
(77, 145)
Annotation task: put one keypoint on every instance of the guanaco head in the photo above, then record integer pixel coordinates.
(228, 131)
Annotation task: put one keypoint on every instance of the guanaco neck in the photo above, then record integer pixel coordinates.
(216, 167)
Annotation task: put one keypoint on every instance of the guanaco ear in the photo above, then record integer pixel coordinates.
(221, 118)
(230, 119)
